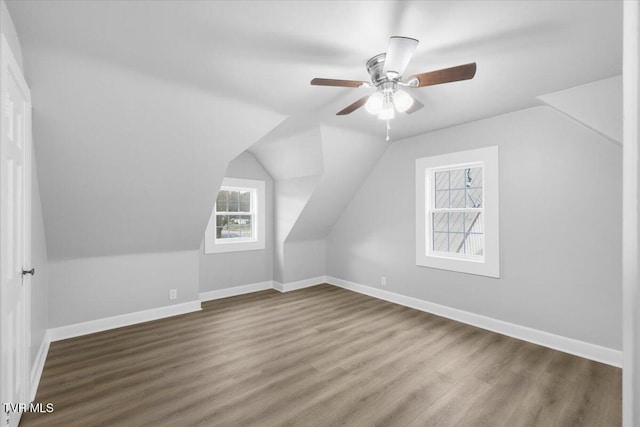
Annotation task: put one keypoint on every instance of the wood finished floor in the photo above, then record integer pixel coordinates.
(321, 356)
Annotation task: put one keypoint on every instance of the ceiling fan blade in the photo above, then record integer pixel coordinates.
(399, 53)
(353, 107)
(340, 83)
(415, 107)
(446, 75)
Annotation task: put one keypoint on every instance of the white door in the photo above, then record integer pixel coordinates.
(15, 239)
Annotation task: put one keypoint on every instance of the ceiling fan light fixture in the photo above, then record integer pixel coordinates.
(374, 103)
(402, 101)
(387, 112)
(386, 71)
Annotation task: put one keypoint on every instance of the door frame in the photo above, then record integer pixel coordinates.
(631, 215)
(9, 64)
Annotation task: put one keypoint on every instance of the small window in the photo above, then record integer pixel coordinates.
(235, 214)
(457, 211)
(238, 219)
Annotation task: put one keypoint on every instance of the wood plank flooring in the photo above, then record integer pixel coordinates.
(320, 356)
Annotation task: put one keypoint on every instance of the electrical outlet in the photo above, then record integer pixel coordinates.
(383, 280)
(173, 294)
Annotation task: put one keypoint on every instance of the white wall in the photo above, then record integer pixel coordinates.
(39, 282)
(226, 270)
(86, 289)
(560, 236)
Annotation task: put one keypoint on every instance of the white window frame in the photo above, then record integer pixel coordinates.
(257, 241)
(487, 264)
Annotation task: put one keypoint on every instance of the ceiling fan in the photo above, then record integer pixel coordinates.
(386, 71)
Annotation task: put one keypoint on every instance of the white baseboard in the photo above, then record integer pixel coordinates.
(236, 290)
(98, 325)
(38, 366)
(300, 284)
(556, 342)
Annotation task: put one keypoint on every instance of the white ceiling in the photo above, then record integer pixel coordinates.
(267, 52)
(140, 105)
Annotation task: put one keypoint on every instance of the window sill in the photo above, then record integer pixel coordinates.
(217, 248)
(480, 268)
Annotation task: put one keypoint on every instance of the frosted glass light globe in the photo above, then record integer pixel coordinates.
(374, 103)
(387, 112)
(402, 100)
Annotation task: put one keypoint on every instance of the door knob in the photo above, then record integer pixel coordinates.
(31, 272)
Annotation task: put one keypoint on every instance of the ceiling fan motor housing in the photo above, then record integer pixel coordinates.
(374, 67)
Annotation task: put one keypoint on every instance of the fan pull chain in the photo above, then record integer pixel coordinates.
(388, 128)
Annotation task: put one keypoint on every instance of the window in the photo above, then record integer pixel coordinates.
(235, 214)
(455, 212)
(457, 217)
(238, 219)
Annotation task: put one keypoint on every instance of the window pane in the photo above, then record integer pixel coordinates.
(474, 237)
(473, 222)
(474, 197)
(458, 232)
(440, 242)
(233, 201)
(457, 199)
(222, 227)
(440, 221)
(474, 244)
(456, 222)
(442, 180)
(442, 199)
(457, 179)
(474, 177)
(221, 201)
(240, 226)
(456, 243)
(245, 201)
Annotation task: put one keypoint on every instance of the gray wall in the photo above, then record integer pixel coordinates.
(560, 213)
(85, 289)
(226, 270)
(39, 282)
(304, 259)
(8, 29)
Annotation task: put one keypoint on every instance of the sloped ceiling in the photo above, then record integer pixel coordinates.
(317, 169)
(347, 158)
(597, 105)
(128, 163)
(139, 106)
